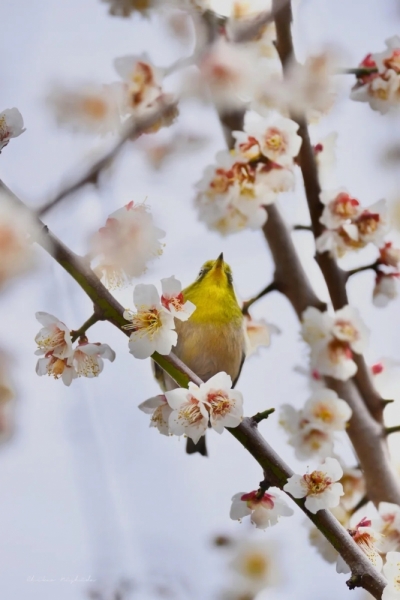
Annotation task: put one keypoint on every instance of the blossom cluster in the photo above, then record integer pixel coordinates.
(348, 225)
(333, 340)
(232, 195)
(379, 85)
(264, 508)
(125, 245)
(61, 359)
(190, 411)
(311, 429)
(153, 323)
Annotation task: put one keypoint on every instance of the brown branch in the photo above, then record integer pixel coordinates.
(276, 471)
(272, 287)
(132, 129)
(77, 333)
(335, 277)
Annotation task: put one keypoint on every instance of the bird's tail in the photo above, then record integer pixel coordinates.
(200, 447)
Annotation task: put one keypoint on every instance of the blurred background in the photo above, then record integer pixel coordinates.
(92, 501)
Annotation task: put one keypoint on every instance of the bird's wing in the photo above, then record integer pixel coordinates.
(158, 373)
(240, 369)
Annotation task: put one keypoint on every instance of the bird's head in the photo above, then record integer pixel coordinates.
(216, 273)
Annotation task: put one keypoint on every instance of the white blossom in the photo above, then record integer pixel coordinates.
(349, 327)
(340, 208)
(327, 410)
(11, 125)
(319, 488)
(17, 229)
(57, 367)
(160, 411)
(126, 244)
(367, 539)
(258, 334)
(87, 358)
(173, 300)
(264, 509)
(385, 289)
(54, 338)
(213, 401)
(353, 483)
(255, 563)
(388, 525)
(152, 325)
(90, 108)
(391, 571)
(274, 137)
(189, 414)
(389, 255)
(142, 83)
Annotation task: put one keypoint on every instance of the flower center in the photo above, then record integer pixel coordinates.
(220, 403)
(317, 482)
(256, 565)
(274, 140)
(94, 107)
(52, 340)
(324, 413)
(4, 131)
(146, 322)
(344, 206)
(190, 412)
(338, 351)
(368, 223)
(346, 329)
(56, 367)
(393, 61)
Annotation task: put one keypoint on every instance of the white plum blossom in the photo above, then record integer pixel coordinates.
(388, 525)
(264, 508)
(391, 571)
(153, 326)
(232, 194)
(228, 73)
(368, 540)
(160, 411)
(126, 244)
(274, 137)
(309, 439)
(350, 226)
(328, 410)
(87, 358)
(213, 401)
(389, 255)
(17, 230)
(333, 339)
(90, 108)
(189, 414)
(258, 334)
(57, 367)
(142, 81)
(339, 208)
(173, 300)
(381, 87)
(320, 488)
(353, 483)
(255, 563)
(54, 338)
(11, 125)
(385, 289)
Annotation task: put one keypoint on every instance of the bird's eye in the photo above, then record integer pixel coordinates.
(229, 277)
(201, 272)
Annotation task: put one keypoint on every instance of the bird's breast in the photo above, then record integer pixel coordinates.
(209, 348)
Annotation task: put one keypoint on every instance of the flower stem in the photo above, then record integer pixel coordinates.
(373, 267)
(358, 71)
(77, 333)
(302, 228)
(394, 429)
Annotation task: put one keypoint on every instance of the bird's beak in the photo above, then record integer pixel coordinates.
(219, 263)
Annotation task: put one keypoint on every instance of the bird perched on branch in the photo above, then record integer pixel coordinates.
(212, 339)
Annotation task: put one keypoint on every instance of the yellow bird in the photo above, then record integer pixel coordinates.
(213, 338)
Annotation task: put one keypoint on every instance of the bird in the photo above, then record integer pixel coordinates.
(213, 338)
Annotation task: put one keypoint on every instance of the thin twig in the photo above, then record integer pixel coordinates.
(358, 71)
(272, 287)
(364, 500)
(372, 267)
(394, 429)
(302, 228)
(133, 128)
(76, 333)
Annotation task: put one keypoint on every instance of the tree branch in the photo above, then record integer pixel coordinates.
(274, 468)
(76, 333)
(270, 288)
(132, 129)
(334, 276)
